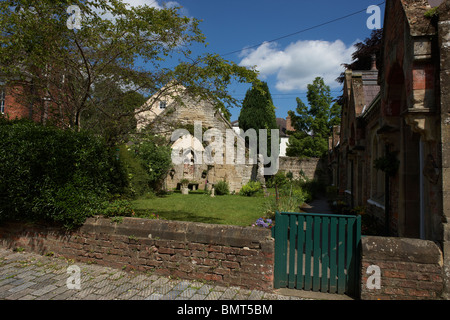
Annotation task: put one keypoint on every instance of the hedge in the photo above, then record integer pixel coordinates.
(51, 174)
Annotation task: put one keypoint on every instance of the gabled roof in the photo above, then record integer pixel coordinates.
(363, 88)
(281, 123)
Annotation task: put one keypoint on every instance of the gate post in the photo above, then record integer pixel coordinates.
(281, 237)
(354, 272)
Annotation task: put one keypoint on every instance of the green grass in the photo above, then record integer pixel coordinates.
(230, 210)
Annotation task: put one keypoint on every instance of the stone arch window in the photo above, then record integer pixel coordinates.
(189, 157)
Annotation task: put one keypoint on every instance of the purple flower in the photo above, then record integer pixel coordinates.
(264, 224)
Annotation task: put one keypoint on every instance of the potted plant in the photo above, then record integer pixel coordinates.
(184, 186)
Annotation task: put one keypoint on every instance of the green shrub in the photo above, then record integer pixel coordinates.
(57, 175)
(184, 182)
(138, 179)
(250, 189)
(221, 188)
(119, 208)
(155, 157)
(290, 198)
(279, 179)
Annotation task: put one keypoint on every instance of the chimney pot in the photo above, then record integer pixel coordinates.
(374, 62)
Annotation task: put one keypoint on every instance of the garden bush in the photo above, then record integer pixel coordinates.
(55, 175)
(290, 198)
(221, 188)
(279, 179)
(138, 179)
(119, 208)
(154, 155)
(250, 189)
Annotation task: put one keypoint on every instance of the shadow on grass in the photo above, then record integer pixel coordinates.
(177, 215)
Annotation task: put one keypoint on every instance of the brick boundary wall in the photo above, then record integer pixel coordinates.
(410, 269)
(231, 255)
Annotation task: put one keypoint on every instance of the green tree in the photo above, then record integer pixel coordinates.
(114, 110)
(137, 48)
(258, 110)
(313, 124)
(154, 154)
(362, 57)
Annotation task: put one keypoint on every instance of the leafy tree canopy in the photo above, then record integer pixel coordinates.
(141, 49)
(362, 57)
(313, 124)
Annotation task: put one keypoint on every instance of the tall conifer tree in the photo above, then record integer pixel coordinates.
(258, 110)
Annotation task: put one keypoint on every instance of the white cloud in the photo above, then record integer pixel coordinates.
(299, 63)
(152, 3)
(136, 3)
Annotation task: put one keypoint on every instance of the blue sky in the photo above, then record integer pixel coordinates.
(288, 64)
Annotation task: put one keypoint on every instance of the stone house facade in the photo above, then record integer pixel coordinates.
(177, 109)
(390, 153)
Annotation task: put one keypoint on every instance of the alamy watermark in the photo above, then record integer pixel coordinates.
(374, 280)
(74, 20)
(74, 280)
(374, 21)
(234, 151)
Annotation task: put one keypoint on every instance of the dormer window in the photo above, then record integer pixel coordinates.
(162, 105)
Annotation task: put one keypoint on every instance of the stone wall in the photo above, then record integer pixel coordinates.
(400, 268)
(444, 44)
(235, 175)
(229, 255)
(312, 168)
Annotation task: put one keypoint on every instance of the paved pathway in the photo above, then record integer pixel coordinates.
(28, 276)
(319, 205)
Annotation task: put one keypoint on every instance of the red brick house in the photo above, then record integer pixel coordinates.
(10, 106)
(20, 100)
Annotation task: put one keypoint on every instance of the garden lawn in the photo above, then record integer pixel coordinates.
(230, 209)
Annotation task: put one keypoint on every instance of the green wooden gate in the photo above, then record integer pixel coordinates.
(318, 252)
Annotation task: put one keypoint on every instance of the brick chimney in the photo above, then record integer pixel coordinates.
(289, 126)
